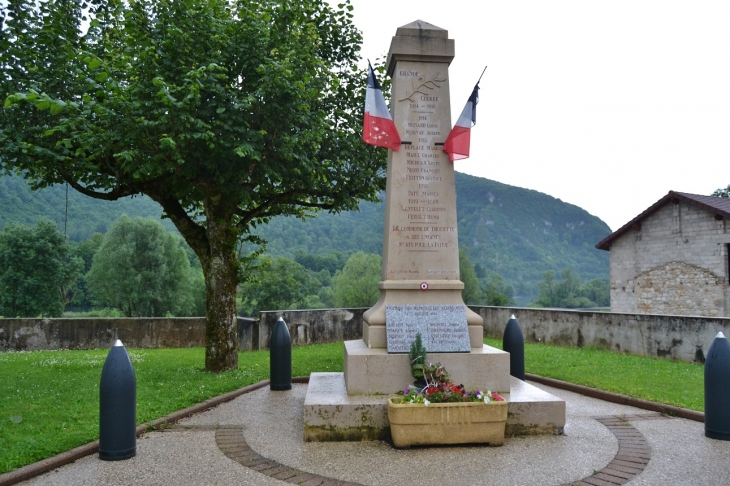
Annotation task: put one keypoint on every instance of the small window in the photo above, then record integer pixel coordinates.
(727, 263)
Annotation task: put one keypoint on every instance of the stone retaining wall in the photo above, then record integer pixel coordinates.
(684, 338)
(99, 333)
(313, 326)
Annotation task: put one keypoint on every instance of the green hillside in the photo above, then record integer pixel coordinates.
(521, 233)
(85, 216)
(516, 232)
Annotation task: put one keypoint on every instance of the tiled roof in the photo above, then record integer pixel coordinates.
(717, 205)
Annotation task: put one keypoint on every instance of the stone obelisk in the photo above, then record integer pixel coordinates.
(420, 290)
(420, 246)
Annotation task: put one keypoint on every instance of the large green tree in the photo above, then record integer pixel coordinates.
(142, 270)
(722, 192)
(356, 285)
(280, 284)
(562, 292)
(568, 291)
(36, 270)
(225, 112)
(471, 293)
(79, 293)
(495, 291)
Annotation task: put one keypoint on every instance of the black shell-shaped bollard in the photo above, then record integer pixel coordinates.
(280, 356)
(117, 406)
(514, 343)
(717, 389)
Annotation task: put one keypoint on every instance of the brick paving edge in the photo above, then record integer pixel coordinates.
(617, 472)
(232, 443)
(43, 466)
(618, 398)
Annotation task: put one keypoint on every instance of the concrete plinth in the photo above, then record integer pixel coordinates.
(533, 411)
(330, 414)
(372, 371)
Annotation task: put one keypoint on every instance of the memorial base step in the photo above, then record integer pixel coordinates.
(372, 371)
(330, 414)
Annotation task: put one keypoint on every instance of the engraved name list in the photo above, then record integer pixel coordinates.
(424, 223)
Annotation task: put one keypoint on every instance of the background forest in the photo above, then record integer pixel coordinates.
(517, 247)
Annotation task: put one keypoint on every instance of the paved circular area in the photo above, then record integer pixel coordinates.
(633, 455)
(205, 449)
(273, 427)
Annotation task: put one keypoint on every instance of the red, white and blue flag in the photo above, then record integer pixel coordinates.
(378, 129)
(457, 143)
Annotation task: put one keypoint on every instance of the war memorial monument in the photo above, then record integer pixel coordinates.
(420, 290)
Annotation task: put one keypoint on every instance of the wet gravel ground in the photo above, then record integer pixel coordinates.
(272, 426)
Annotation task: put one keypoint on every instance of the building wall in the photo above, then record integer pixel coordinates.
(676, 263)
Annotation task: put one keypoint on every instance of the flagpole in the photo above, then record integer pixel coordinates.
(457, 142)
(480, 77)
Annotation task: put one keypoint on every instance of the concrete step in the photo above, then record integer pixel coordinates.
(330, 414)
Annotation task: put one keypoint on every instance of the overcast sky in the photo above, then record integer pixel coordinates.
(605, 105)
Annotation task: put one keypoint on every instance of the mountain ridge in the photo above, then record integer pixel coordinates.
(516, 232)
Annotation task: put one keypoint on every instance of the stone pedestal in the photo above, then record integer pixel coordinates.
(409, 292)
(372, 371)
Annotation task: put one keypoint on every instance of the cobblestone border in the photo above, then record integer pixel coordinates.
(633, 453)
(632, 457)
(232, 443)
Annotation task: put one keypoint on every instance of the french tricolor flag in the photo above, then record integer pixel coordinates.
(379, 129)
(457, 143)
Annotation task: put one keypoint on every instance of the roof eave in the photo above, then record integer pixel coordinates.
(605, 244)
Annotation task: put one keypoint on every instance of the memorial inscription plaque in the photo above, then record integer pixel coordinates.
(443, 328)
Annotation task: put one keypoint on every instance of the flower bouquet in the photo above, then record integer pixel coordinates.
(439, 388)
(442, 412)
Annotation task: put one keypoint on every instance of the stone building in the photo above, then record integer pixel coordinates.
(673, 258)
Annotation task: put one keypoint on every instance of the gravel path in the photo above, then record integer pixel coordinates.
(272, 428)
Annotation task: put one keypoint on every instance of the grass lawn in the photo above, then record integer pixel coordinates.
(49, 400)
(657, 380)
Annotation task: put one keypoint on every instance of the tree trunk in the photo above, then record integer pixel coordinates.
(221, 328)
(215, 244)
